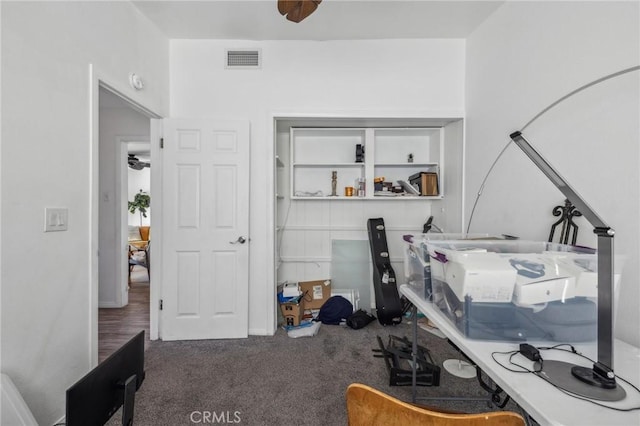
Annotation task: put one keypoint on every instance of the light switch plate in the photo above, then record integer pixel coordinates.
(55, 219)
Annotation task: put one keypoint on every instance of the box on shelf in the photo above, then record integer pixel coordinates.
(426, 183)
(515, 289)
(315, 293)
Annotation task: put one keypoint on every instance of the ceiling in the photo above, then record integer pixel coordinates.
(333, 20)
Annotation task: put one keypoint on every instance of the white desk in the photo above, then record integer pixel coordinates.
(546, 404)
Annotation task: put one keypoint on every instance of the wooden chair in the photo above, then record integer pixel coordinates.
(145, 233)
(138, 246)
(134, 259)
(369, 407)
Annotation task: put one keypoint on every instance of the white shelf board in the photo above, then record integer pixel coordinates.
(371, 198)
(328, 165)
(406, 165)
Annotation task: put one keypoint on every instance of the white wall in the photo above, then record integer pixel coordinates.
(336, 78)
(46, 296)
(116, 124)
(524, 57)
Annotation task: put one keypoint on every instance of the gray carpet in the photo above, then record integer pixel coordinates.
(277, 380)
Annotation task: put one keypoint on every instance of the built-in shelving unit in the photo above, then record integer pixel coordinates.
(310, 224)
(392, 153)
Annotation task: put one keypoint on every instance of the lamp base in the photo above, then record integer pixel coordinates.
(559, 374)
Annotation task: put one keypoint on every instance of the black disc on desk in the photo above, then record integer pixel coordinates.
(558, 373)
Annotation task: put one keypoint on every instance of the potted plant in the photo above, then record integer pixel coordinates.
(140, 203)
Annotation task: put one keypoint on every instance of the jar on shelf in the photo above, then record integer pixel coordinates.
(360, 184)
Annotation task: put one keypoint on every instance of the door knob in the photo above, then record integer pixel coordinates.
(240, 240)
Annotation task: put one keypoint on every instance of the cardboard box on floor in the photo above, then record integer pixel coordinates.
(292, 309)
(292, 312)
(315, 293)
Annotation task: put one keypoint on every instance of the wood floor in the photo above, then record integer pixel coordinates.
(117, 326)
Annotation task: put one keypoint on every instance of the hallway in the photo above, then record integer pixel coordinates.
(117, 326)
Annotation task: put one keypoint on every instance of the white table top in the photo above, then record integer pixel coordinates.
(546, 404)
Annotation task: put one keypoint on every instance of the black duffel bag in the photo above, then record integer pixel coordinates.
(359, 319)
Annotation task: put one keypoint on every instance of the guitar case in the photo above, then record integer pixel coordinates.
(389, 308)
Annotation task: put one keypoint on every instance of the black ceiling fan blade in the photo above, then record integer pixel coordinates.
(135, 163)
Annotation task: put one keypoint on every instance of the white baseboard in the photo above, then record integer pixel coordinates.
(108, 305)
(260, 332)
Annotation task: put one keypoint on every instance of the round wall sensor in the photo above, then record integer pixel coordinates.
(135, 81)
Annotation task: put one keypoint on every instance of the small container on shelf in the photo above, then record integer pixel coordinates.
(361, 186)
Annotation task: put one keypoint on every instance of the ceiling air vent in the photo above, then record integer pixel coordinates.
(247, 59)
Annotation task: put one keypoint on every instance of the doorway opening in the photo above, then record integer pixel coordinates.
(137, 186)
(123, 237)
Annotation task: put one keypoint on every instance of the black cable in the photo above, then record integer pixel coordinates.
(511, 355)
(539, 362)
(495, 393)
(573, 349)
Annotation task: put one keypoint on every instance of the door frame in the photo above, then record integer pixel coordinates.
(98, 79)
(155, 291)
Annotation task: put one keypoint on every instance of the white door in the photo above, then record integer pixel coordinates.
(205, 225)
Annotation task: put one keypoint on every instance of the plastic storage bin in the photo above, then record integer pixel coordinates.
(417, 272)
(515, 289)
